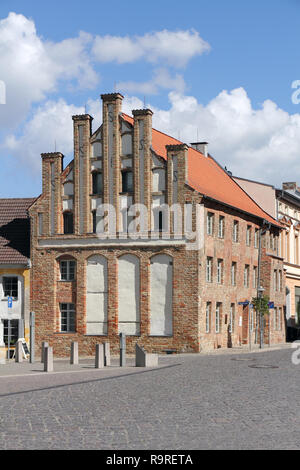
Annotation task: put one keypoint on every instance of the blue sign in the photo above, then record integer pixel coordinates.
(244, 303)
(271, 304)
(9, 302)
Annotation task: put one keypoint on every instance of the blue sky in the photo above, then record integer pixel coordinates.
(230, 85)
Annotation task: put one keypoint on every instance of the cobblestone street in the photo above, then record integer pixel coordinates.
(226, 401)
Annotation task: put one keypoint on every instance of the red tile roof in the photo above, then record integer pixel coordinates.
(208, 178)
(14, 231)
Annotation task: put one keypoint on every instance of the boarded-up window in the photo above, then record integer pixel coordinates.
(159, 180)
(129, 295)
(97, 292)
(161, 292)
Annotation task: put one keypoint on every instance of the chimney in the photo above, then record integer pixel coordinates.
(287, 186)
(201, 147)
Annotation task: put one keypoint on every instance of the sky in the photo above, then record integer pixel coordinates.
(222, 72)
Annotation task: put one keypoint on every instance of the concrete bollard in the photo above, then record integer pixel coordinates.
(143, 359)
(74, 353)
(99, 358)
(48, 359)
(19, 351)
(44, 345)
(106, 346)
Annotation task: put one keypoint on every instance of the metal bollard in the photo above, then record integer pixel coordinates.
(44, 346)
(48, 359)
(106, 346)
(99, 358)
(74, 353)
(122, 350)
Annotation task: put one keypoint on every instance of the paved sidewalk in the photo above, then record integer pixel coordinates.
(87, 364)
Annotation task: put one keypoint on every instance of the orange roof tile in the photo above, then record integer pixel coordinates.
(208, 178)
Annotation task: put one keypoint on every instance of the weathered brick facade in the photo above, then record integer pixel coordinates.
(129, 145)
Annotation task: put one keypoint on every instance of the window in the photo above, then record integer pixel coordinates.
(10, 286)
(251, 319)
(296, 250)
(275, 318)
(40, 224)
(275, 280)
(68, 223)
(209, 269)
(208, 317)
(218, 316)
(246, 275)
(97, 182)
(233, 273)
(279, 319)
(14, 331)
(256, 235)
(94, 213)
(231, 318)
(220, 271)
(67, 317)
(210, 223)
(127, 182)
(279, 280)
(248, 235)
(235, 232)
(221, 226)
(254, 279)
(67, 270)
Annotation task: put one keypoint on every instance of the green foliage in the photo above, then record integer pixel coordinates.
(260, 304)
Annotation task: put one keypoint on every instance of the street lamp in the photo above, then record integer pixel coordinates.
(260, 292)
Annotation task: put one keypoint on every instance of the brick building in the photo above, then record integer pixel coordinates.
(174, 280)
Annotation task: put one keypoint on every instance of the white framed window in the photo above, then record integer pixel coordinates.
(221, 229)
(233, 273)
(220, 271)
(209, 269)
(235, 231)
(67, 270)
(248, 235)
(67, 317)
(254, 278)
(208, 317)
(218, 317)
(246, 275)
(10, 286)
(210, 223)
(256, 235)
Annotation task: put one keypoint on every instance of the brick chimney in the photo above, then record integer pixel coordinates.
(52, 165)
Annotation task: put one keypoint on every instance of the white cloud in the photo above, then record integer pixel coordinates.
(31, 67)
(50, 127)
(160, 80)
(175, 48)
(261, 144)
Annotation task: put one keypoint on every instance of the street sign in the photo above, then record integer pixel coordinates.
(9, 302)
(244, 303)
(271, 304)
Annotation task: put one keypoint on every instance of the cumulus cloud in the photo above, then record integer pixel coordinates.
(261, 144)
(175, 48)
(50, 128)
(162, 79)
(31, 67)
